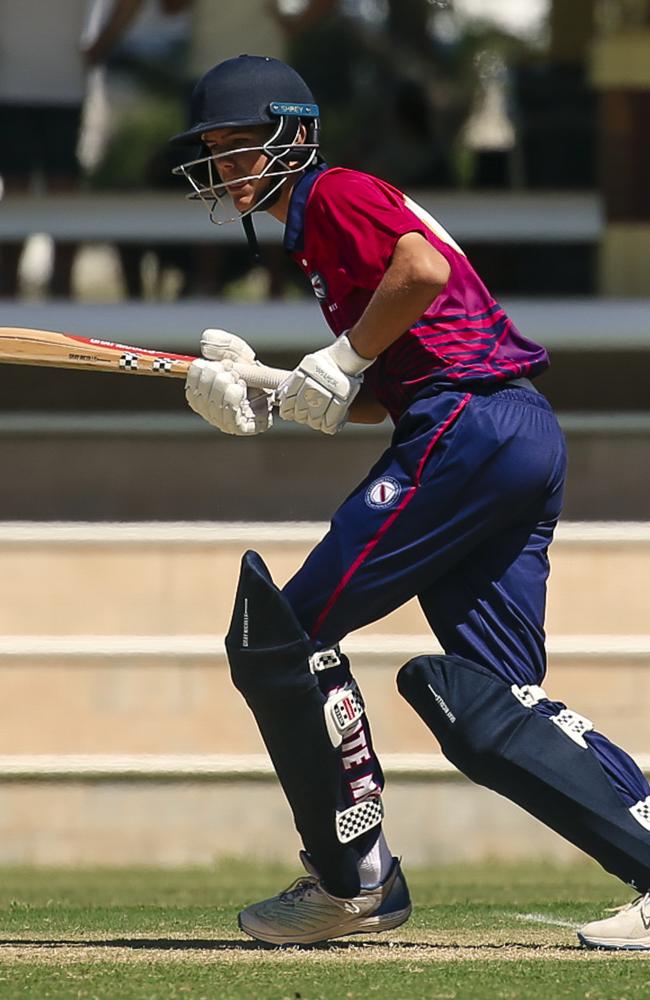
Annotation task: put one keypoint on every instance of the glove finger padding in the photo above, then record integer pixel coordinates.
(323, 386)
(305, 401)
(217, 392)
(336, 414)
(220, 345)
(228, 348)
(287, 396)
(311, 402)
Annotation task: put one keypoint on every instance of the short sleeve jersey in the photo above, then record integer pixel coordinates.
(341, 230)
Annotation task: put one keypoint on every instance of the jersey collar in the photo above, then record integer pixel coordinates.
(294, 237)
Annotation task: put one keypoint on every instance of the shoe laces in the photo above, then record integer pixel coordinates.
(299, 889)
(640, 901)
(306, 884)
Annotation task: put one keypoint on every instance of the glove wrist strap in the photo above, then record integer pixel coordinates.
(348, 360)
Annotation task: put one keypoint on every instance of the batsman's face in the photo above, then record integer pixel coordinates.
(236, 157)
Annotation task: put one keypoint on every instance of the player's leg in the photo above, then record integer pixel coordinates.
(359, 777)
(309, 736)
(491, 609)
(505, 733)
(426, 504)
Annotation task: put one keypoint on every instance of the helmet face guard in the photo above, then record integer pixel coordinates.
(242, 92)
(285, 156)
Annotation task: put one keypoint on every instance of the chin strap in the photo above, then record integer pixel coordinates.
(266, 201)
(251, 236)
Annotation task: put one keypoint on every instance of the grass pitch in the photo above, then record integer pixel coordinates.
(493, 931)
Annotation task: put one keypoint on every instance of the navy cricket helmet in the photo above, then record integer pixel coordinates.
(250, 91)
(247, 90)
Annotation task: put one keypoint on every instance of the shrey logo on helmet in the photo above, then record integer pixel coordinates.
(250, 91)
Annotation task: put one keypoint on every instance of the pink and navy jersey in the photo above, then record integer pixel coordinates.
(342, 229)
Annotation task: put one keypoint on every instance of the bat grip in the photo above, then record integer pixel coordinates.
(261, 376)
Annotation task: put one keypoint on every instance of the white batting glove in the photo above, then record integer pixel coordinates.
(221, 404)
(217, 392)
(320, 390)
(219, 345)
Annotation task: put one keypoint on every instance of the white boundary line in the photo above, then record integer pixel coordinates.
(251, 532)
(371, 646)
(543, 918)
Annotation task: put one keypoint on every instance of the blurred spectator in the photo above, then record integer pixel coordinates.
(42, 88)
(220, 32)
(489, 132)
(43, 83)
(383, 78)
(142, 48)
(223, 30)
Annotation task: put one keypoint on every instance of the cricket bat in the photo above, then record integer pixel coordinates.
(21, 346)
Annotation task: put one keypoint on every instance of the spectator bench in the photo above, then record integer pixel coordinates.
(476, 217)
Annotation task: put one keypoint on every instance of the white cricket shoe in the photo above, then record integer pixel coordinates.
(627, 930)
(306, 913)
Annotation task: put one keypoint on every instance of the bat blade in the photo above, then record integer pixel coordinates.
(23, 346)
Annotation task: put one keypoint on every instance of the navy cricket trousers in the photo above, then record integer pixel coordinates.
(458, 511)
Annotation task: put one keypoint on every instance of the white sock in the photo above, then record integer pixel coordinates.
(376, 864)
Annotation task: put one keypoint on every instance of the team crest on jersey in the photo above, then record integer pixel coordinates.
(383, 493)
(318, 284)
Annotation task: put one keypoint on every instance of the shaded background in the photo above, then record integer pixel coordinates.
(523, 127)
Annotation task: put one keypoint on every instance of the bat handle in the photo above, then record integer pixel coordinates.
(261, 376)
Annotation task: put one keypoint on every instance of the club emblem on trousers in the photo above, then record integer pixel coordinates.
(383, 493)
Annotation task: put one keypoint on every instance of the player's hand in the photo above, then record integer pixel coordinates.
(217, 392)
(233, 417)
(220, 345)
(320, 390)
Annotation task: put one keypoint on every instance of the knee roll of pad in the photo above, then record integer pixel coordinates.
(499, 737)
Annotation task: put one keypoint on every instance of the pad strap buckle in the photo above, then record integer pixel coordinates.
(529, 694)
(342, 709)
(574, 725)
(325, 659)
(358, 819)
(641, 812)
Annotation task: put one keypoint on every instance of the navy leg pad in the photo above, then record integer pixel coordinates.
(269, 655)
(498, 742)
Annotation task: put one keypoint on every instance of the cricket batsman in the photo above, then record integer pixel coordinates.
(459, 512)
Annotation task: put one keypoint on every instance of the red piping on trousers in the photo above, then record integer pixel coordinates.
(361, 558)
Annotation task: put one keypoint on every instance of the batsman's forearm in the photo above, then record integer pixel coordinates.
(415, 277)
(390, 312)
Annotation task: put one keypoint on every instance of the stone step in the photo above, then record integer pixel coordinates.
(173, 695)
(131, 820)
(179, 578)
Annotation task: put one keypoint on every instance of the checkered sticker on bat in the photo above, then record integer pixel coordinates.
(162, 364)
(129, 362)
